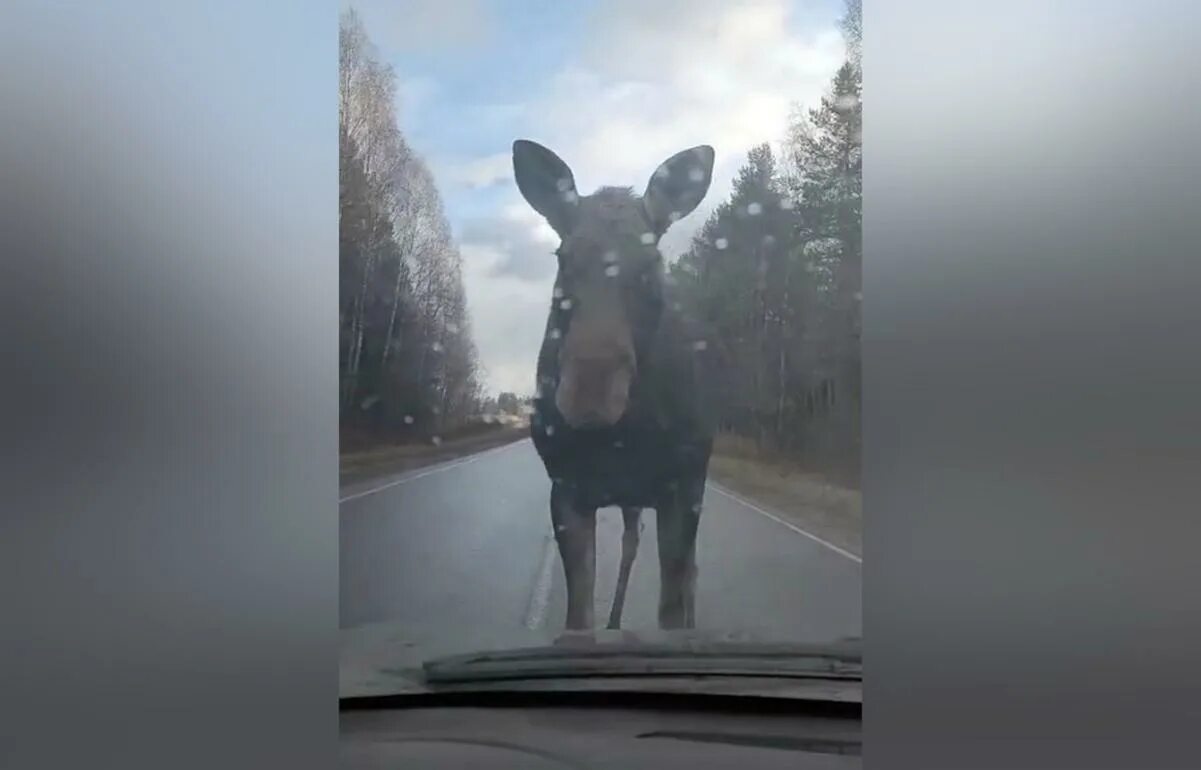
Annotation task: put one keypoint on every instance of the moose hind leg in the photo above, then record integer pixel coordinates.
(575, 533)
(632, 519)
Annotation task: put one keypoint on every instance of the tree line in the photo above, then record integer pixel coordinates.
(777, 270)
(407, 362)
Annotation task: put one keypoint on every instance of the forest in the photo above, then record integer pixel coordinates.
(777, 270)
(408, 366)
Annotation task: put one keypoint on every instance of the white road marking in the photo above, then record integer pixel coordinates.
(790, 525)
(535, 614)
(430, 471)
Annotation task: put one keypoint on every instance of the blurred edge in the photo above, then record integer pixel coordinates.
(170, 532)
(1031, 439)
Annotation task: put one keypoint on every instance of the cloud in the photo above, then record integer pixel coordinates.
(479, 173)
(653, 79)
(725, 74)
(646, 81)
(425, 25)
(519, 241)
(508, 317)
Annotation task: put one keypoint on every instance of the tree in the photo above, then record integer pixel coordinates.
(739, 275)
(405, 350)
(851, 24)
(507, 402)
(776, 270)
(826, 177)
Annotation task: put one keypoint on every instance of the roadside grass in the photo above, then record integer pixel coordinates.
(368, 461)
(805, 497)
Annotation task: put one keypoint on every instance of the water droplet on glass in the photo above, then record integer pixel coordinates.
(696, 509)
(721, 243)
(436, 439)
(550, 430)
(618, 444)
(565, 304)
(436, 347)
(769, 239)
(408, 419)
(610, 257)
(786, 204)
(560, 527)
(674, 216)
(452, 328)
(700, 345)
(558, 292)
(555, 334)
(563, 184)
(676, 306)
(846, 101)
(662, 172)
(612, 271)
(648, 238)
(858, 296)
(570, 196)
(754, 209)
(696, 174)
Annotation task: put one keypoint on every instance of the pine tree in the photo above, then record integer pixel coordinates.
(826, 176)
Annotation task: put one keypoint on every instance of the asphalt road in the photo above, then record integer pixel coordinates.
(467, 546)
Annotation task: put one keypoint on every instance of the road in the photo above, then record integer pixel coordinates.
(467, 545)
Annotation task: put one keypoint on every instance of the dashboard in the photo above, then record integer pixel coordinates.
(542, 737)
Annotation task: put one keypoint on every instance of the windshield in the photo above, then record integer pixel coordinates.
(599, 323)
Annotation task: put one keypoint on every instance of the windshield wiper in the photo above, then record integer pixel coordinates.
(834, 661)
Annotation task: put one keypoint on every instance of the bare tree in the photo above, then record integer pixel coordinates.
(405, 339)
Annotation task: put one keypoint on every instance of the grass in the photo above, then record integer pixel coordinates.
(372, 460)
(806, 497)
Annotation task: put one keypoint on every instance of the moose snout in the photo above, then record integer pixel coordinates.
(594, 392)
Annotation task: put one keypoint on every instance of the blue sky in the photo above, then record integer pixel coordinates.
(613, 86)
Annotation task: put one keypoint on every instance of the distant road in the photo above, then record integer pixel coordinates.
(467, 544)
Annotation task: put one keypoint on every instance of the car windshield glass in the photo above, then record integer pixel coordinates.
(599, 294)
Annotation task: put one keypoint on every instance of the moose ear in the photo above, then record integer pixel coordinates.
(546, 184)
(678, 186)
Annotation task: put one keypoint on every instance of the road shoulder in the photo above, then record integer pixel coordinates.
(386, 463)
(822, 509)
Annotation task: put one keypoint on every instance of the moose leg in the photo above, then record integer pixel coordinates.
(677, 517)
(575, 533)
(629, 549)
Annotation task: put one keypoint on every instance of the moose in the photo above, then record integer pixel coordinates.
(624, 412)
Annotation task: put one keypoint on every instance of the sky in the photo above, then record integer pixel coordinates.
(614, 87)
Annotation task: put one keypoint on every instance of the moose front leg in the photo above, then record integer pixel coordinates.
(575, 533)
(678, 516)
